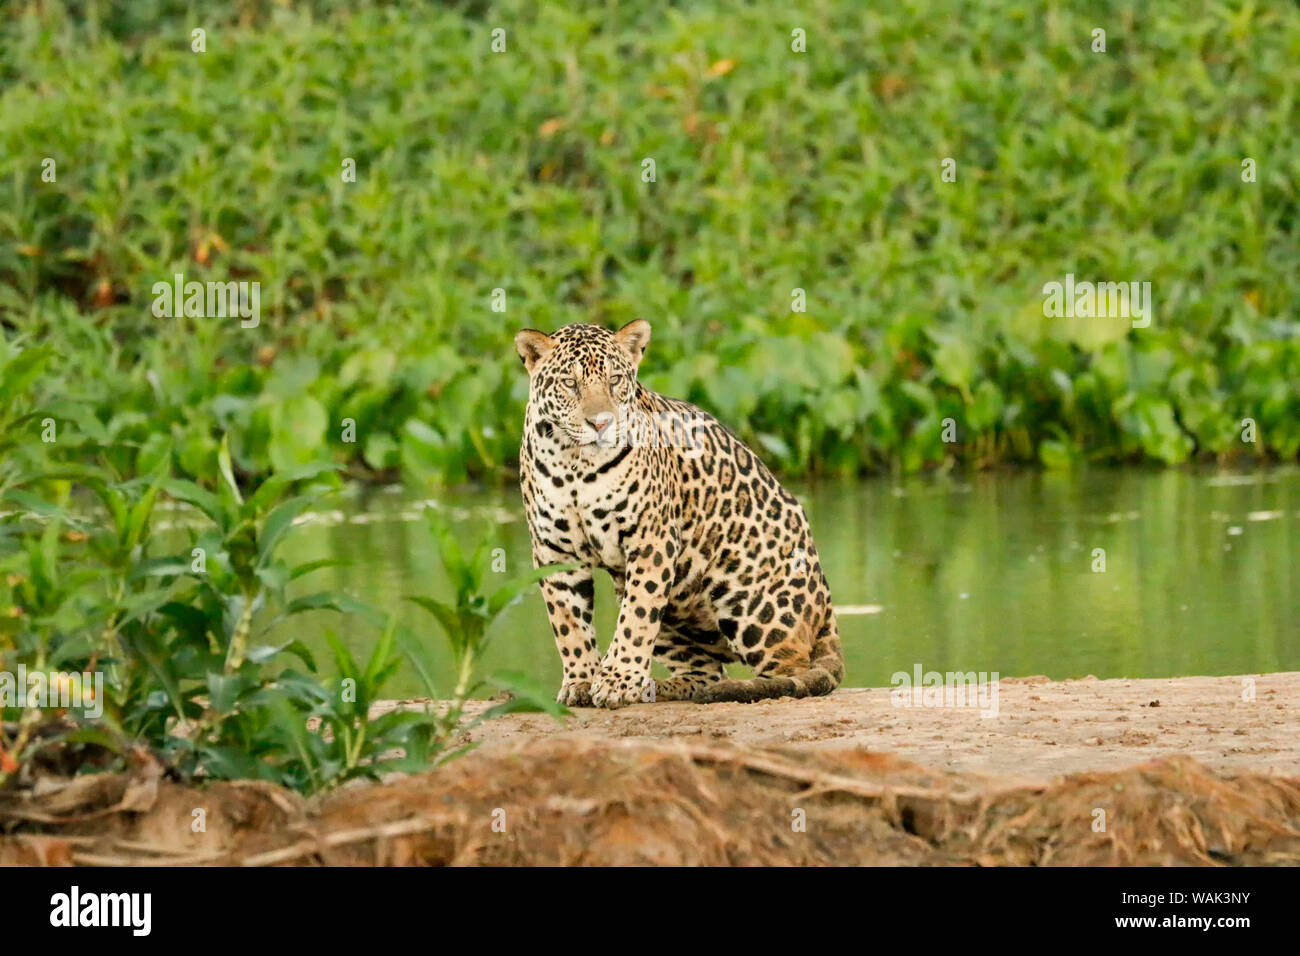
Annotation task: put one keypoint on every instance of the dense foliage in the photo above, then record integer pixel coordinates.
(775, 171)
(169, 600)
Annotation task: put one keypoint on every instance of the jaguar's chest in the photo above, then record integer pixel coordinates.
(588, 511)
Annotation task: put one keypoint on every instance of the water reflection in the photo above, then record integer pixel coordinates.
(992, 572)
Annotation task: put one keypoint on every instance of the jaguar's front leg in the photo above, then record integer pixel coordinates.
(625, 669)
(569, 596)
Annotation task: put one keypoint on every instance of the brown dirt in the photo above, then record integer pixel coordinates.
(1044, 728)
(575, 800)
(786, 782)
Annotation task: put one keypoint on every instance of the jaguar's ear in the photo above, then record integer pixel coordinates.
(532, 347)
(634, 337)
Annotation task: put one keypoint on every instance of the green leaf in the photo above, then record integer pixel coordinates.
(227, 472)
(297, 431)
(159, 567)
(446, 615)
(277, 523)
(192, 494)
(333, 601)
(301, 570)
(513, 589)
(224, 691)
(17, 375)
(529, 696)
(344, 661)
(34, 503)
(139, 513)
(463, 575)
(954, 359)
(274, 486)
(382, 659)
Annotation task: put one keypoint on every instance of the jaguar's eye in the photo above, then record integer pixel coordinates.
(569, 383)
(615, 381)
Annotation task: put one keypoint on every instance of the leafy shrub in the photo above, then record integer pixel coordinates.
(191, 643)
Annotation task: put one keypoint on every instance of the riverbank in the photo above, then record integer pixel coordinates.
(1185, 771)
(1043, 728)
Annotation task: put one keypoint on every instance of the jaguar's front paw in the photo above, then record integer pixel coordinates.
(574, 693)
(614, 690)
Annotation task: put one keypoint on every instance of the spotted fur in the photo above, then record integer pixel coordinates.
(712, 560)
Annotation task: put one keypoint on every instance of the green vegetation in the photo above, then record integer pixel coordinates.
(188, 639)
(775, 170)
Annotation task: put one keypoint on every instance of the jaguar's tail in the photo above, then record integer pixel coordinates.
(823, 674)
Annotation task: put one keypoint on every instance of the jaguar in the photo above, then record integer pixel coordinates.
(712, 560)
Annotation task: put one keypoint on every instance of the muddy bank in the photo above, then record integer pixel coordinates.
(1145, 772)
(578, 800)
(1042, 729)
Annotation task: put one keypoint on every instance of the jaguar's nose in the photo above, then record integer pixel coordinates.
(600, 422)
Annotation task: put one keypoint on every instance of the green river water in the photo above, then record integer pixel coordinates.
(992, 572)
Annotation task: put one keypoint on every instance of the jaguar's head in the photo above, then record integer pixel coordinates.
(582, 379)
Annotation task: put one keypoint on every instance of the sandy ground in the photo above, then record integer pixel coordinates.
(1043, 728)
(866, 782)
